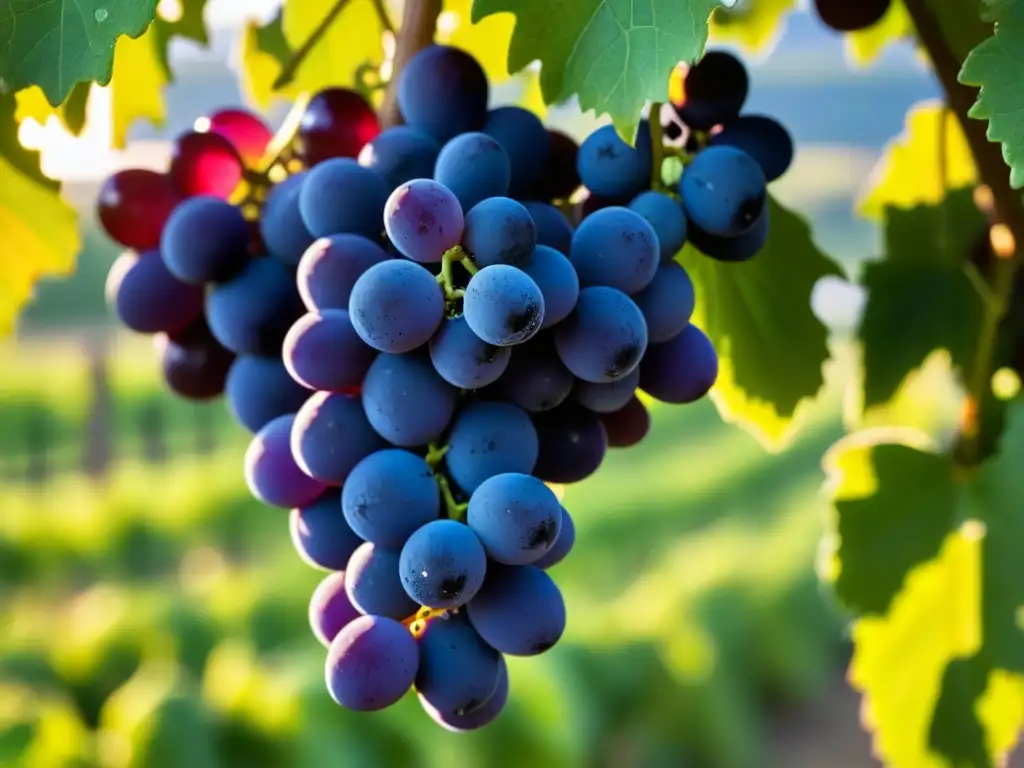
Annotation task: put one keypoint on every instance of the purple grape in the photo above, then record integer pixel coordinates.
(331, 434)
(682, 370)
(396, 306)
(330, 267)
(371, 664)
(423, 219)
(324, 352)
(330, 610)
(271, 473)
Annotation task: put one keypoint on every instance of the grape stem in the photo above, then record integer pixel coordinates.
(419, 21)
(1008, 212)
(382, 14)
(453, 509)
(657, 146)
(434, 454)
(287, 73)
(446, 279)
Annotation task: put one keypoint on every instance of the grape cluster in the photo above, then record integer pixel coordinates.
(423, 330)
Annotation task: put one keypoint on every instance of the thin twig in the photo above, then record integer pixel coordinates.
(382, 14)
(419, 20)
(288, 72)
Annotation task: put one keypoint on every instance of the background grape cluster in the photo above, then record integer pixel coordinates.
(425, 326)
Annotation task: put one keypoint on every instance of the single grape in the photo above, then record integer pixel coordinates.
(423, 219)
(763, 138)
(148, 298)
(458, 671)
(443, 92)
(606, 398)
(330, 610)
(337, 123)
(443, 564)
(371, 664)
(246, 131)
(556, 277)
(271, 473)
(341, 197)
(406, 401)
(519, 610)
(851, 17)
(205, 164)
(617, 248)
(331, 435)
(627, 426)
(373, 585)
(682, 370)
(667, 303)
(463, 359)
(499, 231)
(710, 92)
(573, 443)
(259, 389)
(194, 364)
(516, 517)
(553, 229)
(562, 546)
(609, 167)
(388, 495)
(666, 218)
(330, 267)
(396, 306)
(282, 229)
(478, 718)
(320, 533)
(206, 240)
(400, 154)
(536, 379)
(732, 249)
(323, 351)
(525, 140)
(560, 178)
(474, 166)
(133, 205)
(723, 191)
(251, 313)
(503, 305)
(488, 439)
(604, 337)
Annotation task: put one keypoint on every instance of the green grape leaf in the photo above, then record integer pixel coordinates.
(996, 65)
(755, 26)
(929, 554)
(613, 54)
(264, 53)
(920, 298)
(189, 24)
(32, 103)
(56, 45)
(758, 313)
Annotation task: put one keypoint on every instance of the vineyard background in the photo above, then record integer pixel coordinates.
(155, 614)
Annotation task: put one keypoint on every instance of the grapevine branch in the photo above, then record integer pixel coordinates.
(1007, 207)
(287, 74)
(419, 20)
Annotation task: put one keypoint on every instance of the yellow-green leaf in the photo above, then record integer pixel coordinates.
(755, 25)
(32, 104)
(866, 45)
(263, 53)
(910, 173)
(137, 90)
(487, 40)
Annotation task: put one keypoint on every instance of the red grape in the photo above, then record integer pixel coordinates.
(246, 131)
(205, 164)
(337, 123)
(134, 204)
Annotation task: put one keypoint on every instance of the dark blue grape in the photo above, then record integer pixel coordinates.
(205, 240)
(667, 303)
(732, 249)
(682, 370)
(605, 336)
(371, 664)
(763, 138)
(443, 92)
(536, 379)
(553, 229)
(321, 535)
(503, 305)
(443, 564)
(525, 140)
(251, 313)
(628, 425)
(488, 439)
(516, 517)
(458, 671)
(474, 167)
(373, 585)
(562, 546)
(339, 197)
(194, 364)
(605, 398)
(478, 718)
(271, 473)
(323, 351)
(423, 219)
(609, 167)
(259, 389)
(560, 178)
(713, 91)
(388, 495)
(463, 359)
(282, 229)
(400, 154)
(331, 435)
(396, 306)
(617, 248)
(519, 610)
(573, 443)
(556, 277)
(330, 610)
(406, 401)
(499, 231)
(666, 217)
(148, 298)
(330, 267)
(724, 192)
